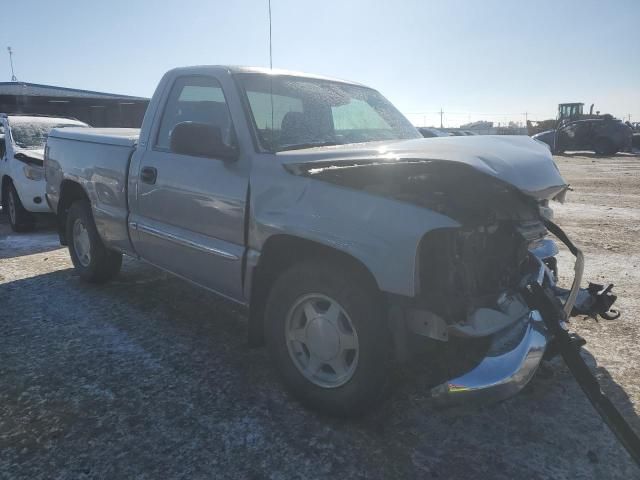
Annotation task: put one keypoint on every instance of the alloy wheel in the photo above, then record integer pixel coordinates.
(322, 341)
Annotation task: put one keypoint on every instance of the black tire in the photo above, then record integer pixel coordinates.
(362, 303)
(19, 218)
(103, 264)
(604, 146)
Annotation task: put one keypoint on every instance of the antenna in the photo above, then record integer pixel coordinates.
(270, 43)
(13, 75)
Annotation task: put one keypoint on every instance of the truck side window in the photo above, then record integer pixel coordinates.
(196, 99)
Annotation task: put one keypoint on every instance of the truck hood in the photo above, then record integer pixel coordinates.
(516, 160)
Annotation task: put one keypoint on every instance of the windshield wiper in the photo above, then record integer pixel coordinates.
(301, 146)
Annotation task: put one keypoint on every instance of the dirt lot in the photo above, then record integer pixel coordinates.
(151, 377)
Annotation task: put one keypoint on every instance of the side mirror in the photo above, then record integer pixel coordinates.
(200, 140)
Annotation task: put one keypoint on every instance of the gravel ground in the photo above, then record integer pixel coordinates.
(150, 377)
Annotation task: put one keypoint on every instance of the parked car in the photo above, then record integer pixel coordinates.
(22, 182)
(316, 205)
(429, 132)
(604, 136)
(456, 132)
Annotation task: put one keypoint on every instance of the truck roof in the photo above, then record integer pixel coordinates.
(238, 69)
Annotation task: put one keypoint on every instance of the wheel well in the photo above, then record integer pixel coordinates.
(278, 254)
(70, 192)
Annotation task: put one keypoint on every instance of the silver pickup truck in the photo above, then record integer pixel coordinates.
(354, 242)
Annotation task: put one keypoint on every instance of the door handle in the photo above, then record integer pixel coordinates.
(148, 175)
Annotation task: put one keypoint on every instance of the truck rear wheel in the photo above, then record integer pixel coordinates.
(91, 259)
(19, 218)
(326, 333)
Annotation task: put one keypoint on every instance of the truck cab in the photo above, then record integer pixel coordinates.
(570, 111)
(22, 185)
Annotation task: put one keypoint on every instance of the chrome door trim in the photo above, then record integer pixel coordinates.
(170, 237)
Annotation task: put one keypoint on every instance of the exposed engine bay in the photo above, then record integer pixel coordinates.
(467, 268)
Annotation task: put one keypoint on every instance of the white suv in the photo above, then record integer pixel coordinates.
(22, 185)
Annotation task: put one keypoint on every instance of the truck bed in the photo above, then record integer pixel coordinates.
(111, 136)
(98, 160)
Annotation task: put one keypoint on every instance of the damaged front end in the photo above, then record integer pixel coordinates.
(471, 277)
(473, 280)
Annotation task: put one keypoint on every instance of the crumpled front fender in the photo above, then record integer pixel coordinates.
(382, 233)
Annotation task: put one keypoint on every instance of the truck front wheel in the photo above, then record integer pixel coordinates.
(328, 338)
(91, 259)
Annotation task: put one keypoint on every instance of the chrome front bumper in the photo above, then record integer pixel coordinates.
(504, 371)
(515, 352)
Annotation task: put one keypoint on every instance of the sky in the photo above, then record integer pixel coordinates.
(476, 60)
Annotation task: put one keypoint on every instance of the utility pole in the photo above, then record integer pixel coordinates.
(441, 113)
(13, 75)
(526, 118)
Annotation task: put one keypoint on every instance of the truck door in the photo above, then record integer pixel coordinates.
(189, 210)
